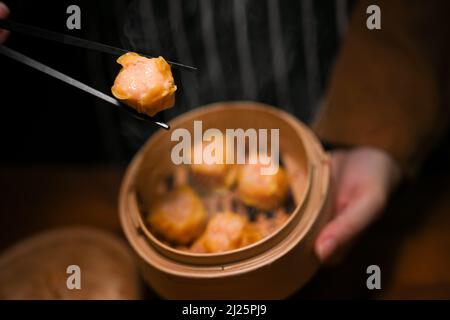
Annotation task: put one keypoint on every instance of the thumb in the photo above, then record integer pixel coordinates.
(347, 225)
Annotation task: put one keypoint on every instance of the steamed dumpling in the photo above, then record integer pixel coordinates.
(226, 231)
(214, 175)
(145, 84)
(265, 192)
(179, 216)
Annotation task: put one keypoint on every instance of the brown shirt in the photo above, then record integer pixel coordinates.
(390, 87)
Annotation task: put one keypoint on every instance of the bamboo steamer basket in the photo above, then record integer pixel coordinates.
(272, 268)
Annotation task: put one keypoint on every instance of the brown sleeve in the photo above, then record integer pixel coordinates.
(387, 85)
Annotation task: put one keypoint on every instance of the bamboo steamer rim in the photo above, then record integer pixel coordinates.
(165, 257)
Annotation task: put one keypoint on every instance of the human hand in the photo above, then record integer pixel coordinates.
(4, 13)
(363, 178)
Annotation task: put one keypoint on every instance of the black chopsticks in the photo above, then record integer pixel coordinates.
(65, 78)
(74, 41)
(83, 43)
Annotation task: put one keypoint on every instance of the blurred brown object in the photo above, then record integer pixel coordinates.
(36, 268)
(390, 87)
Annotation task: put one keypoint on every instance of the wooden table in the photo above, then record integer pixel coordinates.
(411, 243)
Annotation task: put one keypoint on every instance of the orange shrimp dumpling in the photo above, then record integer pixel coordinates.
(145, 84)
(226, 231)
(179, 216)
(265, 192)
(214, 175)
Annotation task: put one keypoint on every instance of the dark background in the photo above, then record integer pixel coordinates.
(44, 120)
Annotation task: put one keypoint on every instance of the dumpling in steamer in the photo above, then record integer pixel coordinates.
(226, 231)
(265, 192)
(213, 175)
(178, 217)
(145, 84)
